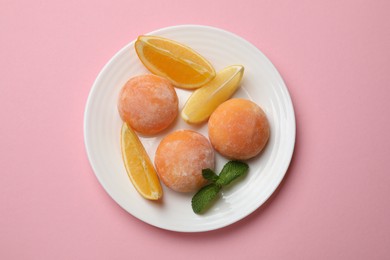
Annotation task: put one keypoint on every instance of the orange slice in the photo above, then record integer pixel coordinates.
(184, 67)
(138, 165)
(206, 99)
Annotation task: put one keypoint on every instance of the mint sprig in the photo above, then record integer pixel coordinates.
(231, 171)
(209, 175)
(205, 196)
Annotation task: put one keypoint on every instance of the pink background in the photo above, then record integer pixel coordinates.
(334, 201)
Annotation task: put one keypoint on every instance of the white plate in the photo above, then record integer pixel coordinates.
(261, 83)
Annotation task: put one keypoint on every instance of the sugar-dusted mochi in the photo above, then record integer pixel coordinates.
(148, 103)
(238, 129)
(180, 158)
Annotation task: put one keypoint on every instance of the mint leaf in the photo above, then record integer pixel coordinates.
(231, 171)
(203, 198)
(210, 175)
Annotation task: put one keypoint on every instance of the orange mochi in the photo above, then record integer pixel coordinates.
(238, 129)
(180, 158)
(148, 103)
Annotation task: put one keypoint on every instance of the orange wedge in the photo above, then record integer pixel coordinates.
(138, 165)
(206, 99)
(184, 67)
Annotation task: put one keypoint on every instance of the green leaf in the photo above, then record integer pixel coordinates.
(231, 171)
(210, 175)
(203, 198)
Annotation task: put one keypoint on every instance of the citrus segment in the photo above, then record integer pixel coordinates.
(138, 165)
(184, 67)
(206, 99)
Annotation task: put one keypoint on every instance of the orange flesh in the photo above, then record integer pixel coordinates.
(180, 64)
(189, 75)
(138, 165)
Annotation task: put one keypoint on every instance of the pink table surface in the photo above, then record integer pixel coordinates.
(334, 201)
